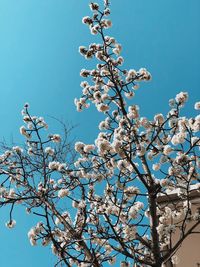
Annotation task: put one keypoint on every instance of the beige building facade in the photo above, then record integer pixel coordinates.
(188, 252)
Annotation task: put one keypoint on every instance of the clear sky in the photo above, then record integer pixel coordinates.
(39, 64)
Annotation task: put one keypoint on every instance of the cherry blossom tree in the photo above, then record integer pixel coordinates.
(103, 207)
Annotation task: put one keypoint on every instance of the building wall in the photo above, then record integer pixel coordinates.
(189, 251)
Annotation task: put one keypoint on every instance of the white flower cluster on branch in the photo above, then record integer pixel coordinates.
(103, 207)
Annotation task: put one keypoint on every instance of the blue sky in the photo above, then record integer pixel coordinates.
(39, 64)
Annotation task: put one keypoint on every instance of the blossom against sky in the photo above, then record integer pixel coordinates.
(40, 64)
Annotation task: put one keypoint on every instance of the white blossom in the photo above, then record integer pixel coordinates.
(197, 105)
(56, 138)
(181, 98)
(102, 107)
(94, 6)
(11, 224)
(50, 151)
(79, 147)
(63, 192)
(54, 165)
(17, 149)
(175, 259)
(167, 149)
(24, 132)
(156, 167)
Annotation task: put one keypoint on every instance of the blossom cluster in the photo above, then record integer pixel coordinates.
(105, 206)
(108, 77)
(133, 152)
